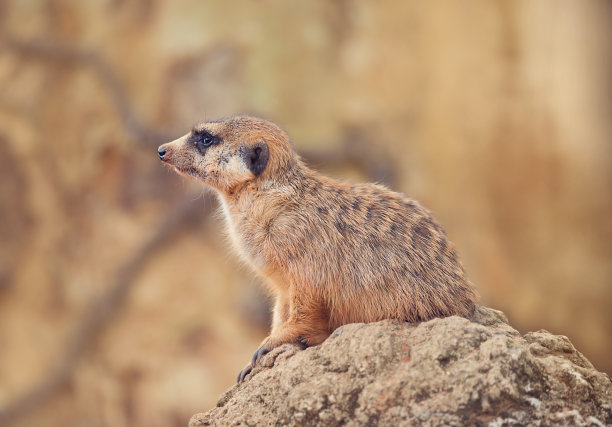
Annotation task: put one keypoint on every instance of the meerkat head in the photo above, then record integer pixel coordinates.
(230, 152)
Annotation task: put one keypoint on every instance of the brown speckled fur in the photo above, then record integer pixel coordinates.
(332, 252)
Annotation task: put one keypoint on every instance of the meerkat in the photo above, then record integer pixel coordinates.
(330, 252)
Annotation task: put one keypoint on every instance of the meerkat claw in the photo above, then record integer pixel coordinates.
(256, 356)
(243, 373)
(260, 352)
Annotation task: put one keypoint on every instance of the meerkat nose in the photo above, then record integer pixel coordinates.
(162, 153)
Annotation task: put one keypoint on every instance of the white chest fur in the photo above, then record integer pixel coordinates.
(239, 228)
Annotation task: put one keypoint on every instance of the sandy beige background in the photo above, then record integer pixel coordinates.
(120, 303)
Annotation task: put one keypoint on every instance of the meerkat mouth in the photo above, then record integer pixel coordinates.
(190, 172)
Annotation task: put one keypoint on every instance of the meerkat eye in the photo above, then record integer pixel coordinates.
(204, 140)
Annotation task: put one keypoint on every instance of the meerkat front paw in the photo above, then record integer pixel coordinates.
(304, 335)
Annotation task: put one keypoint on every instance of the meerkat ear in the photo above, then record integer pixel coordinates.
(257, 157)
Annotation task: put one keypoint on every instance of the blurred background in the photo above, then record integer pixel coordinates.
(121, 303)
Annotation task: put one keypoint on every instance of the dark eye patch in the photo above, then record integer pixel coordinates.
(203, 139)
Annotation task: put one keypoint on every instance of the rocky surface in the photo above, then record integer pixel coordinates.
(450, 371)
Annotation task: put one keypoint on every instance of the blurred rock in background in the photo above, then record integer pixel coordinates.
(120, 301)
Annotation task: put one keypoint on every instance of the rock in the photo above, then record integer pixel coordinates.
(450, 371)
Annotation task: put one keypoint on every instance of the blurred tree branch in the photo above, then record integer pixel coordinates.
(354, 150)
(54, 51)
(97, 316)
